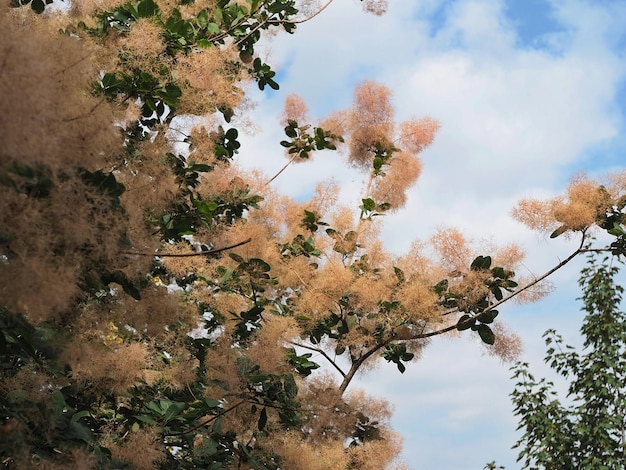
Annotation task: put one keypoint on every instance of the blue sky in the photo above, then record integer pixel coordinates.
(528, 93)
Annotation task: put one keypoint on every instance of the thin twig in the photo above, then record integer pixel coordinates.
(281, 170)
(542, 277)
(84, 114)
(304, 20)
(182, 255)
(73, 64)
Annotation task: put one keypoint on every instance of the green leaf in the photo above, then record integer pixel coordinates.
(146, 8)
(212, 403)
(58, 402)
(147, 419)
(407, 356)
(262, 419)
(38, 6)
(617, 230)
(488, 317)
(235, 257)
(481, 263)
(231, 134)
(206, 208)
(227, 275)
(291, 388)
(368, 205)
(399, 274)
(498, 272)
(497, 292)
(290, 129)
(465, 322)
(77, 431)
(486, 334)
(378, 163)
(441, 287)
(202, 19)
(105, 183)
(79, 415)
(559, 231)
(258, 263)
(172, 409)
(200, 167)
(156, 407)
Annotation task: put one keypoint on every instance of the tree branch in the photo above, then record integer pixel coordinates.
(357, 365)
(282, 169)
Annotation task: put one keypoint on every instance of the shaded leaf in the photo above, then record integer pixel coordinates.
(465, 322)
(559, 231)
(486, 334)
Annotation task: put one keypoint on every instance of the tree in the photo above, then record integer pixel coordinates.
(161, 307)
(587, 431)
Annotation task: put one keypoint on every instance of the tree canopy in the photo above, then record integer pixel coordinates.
(585, 429)
(160, 307)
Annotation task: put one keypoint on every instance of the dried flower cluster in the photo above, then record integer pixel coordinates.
(587, 202)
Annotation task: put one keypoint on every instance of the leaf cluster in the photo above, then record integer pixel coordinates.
(478, 313)
(302, 142)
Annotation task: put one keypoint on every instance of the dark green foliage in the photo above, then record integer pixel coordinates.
(159, 96)
(302, 143)
(585, 431)
(104, 183)
(226, 144)
(366, 430)
(311, 221)
(397, 354)
(299, 246)
(344, 244)
(302, 364)
(35, 182)
(21, 343)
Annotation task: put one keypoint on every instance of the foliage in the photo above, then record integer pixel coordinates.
(587, 430)
(161, 308)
